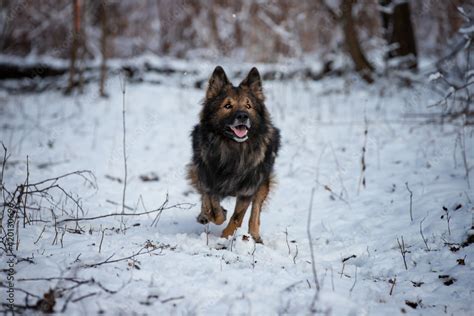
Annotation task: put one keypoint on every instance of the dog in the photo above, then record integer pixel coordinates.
(234, 149)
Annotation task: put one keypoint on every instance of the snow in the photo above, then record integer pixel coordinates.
(435, 76)
(467, 29)
(191, 272)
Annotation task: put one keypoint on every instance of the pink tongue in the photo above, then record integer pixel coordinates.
(239, 132)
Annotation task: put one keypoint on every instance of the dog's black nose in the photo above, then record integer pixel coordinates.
(241, 116)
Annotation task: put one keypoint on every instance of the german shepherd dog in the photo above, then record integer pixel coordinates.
(234, 149)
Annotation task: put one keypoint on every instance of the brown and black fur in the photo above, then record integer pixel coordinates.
(225, 165)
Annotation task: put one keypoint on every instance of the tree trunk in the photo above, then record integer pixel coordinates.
(216, 39)
(399, 32)
(103, 47)
(6, 23)
(82, 46)
(362, 65)
(76, 6)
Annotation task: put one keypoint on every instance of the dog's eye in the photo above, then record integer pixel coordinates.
(247, 103)
(228, 106)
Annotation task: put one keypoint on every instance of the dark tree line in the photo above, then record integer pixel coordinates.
(88, 32)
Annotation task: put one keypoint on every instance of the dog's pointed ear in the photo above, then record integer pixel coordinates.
(217, 82)
(254, 83)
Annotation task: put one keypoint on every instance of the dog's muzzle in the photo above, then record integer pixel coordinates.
(240, 127)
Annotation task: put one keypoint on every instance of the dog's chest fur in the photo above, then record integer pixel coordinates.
(228, 168)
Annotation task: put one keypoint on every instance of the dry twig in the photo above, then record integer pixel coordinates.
(355, 280)
(411, 201)
(423, 236)
(286, 239)
(296, 254)
(313, 263)
(392, 281)
(448, 218)
(362, 160)
(132, 256)
(123, 84)
(160, 209)
(403, 251)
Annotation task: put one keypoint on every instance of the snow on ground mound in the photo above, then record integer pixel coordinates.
(181, 268)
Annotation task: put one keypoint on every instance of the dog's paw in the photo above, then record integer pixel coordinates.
(220, 216)
(219, 219)
(226, 233)
(202, 219)
(258, 239)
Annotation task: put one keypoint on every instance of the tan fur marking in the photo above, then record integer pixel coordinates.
(258, 199)
(210, 206)
(238, 101)
(193, 177)
(235, 222)
(212, 210)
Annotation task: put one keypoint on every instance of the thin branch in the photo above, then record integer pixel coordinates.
(83, 297)
(69, 279)
(25, 217)
(172, 299)
(344, 260)
(123, 84)
(80, 173)
(313, 264)
(411, 201)
(362, 160)
(355, 280)
(62, 236)
(41, 234)
(403, 251)
(462, 137)
(4, 162)
(423, 236)
(21, 290)
(160, 209)
(286, 239)
(296, 253)
(448, 219)
(101, 238)
(108, 260)
(392, 281)
(158, 215)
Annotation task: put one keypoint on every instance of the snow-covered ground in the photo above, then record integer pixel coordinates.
(184, 270)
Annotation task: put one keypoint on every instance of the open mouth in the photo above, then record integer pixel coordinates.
(240, 130)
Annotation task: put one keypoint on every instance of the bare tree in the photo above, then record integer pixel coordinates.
(103, 46)
(399, 33)
(351, 38)
(75, 45)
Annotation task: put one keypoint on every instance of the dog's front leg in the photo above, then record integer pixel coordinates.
(235, 222)
(254, 222)
(211, 210)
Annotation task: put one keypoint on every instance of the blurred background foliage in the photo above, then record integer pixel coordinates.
(263, 31)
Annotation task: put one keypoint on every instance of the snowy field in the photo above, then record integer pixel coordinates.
(183, 268)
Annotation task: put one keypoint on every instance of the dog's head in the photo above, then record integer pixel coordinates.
(238, 112)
